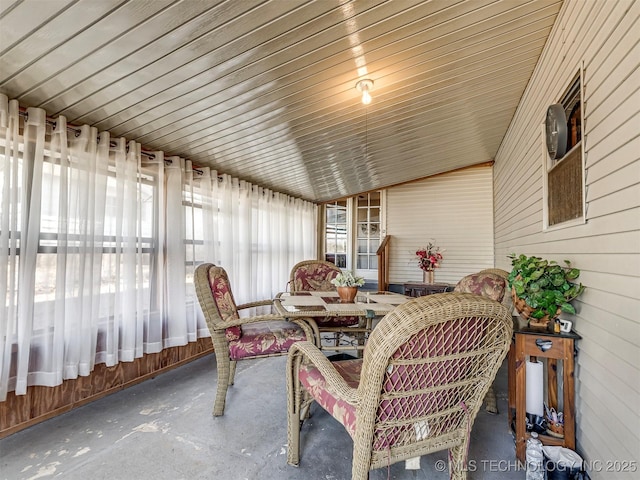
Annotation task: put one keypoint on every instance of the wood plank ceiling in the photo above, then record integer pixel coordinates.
(264, 90)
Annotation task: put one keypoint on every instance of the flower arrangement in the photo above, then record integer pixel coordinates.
(429, 257)
(347, 279)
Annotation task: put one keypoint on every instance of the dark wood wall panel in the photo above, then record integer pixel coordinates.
(41, 403)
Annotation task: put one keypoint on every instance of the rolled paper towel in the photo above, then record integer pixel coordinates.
(535, 388)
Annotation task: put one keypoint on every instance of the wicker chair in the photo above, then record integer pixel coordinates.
(316, 275)
(426, 368)
(491, 283)
(236, 338)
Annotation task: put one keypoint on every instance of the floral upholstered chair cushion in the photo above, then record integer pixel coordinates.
(225, 303)
(329, 399)
(252, 339)
(265, 339)
(488, 285)
(316, 276)
(310, 277)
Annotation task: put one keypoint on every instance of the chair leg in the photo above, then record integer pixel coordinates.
(360, 466)
(224, 369)
(232, 371)
(490, 401)
(305, 405)
(457, 457)
(293, 411)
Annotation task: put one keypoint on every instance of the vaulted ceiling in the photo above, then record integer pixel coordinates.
(264, 90)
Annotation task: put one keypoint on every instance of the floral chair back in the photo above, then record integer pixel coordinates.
(313, 275)
(488, 285)
(224, 302)
(316, 276)
(491, 283)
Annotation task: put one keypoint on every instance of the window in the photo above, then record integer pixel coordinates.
(195, 253)
(367, 230)
(336, 239)
(564, 179)
(70, 232)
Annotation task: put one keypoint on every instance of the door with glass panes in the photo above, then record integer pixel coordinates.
(368, 234)
(353, 232)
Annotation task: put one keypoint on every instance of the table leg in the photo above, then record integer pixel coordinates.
(552, 382)
(569, 396)
(521, 383)
(511, 382)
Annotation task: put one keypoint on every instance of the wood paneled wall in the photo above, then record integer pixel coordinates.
(41, 403)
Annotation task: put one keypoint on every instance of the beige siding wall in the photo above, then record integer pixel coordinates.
(605, 35)
(454, 209)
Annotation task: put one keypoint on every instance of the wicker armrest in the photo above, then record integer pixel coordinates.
(313, 355)
(243, 321)
(310, 327)
(306, 328)
(258, 303)
(236, 322)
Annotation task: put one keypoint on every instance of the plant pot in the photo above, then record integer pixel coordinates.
(347, 294)
(525, 312)
(428, 276)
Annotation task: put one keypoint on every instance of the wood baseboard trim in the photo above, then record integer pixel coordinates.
(18, 412)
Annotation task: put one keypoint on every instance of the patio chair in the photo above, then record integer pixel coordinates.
(418, 388)
(491, 283)
(236, 338)
(316, 276)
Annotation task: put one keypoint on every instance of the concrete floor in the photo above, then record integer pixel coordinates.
(163, 429)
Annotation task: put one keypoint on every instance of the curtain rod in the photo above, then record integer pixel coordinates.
(76, 131)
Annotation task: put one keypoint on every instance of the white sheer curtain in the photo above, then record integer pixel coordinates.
(256, 234)
(98, 243)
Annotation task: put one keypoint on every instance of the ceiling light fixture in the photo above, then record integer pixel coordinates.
(365, 86)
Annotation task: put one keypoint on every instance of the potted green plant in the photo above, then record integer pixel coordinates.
(347, 285)
(542, 289)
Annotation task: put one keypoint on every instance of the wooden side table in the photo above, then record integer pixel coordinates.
(421, 289)
(526, 344)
